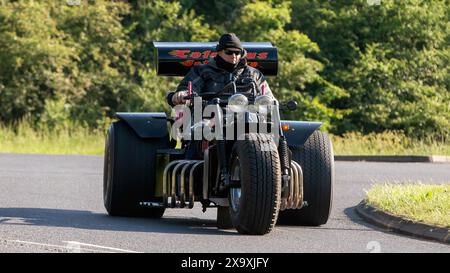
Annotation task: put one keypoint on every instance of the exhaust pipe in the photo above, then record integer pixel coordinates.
(179, 169)
(294, 198)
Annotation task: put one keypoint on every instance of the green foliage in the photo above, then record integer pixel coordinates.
(257, 18)
(400, 93)
(351, 65)
(220, 13)
(150, 96)
(33, 58)
(80, 54)
(299, 75)
(391, 58)
(160, 20)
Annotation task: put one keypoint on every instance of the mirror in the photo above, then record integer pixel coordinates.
(291, 105)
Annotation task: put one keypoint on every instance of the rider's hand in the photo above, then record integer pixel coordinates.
(178, 97)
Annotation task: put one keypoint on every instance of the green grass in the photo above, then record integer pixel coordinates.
(428, 204)
(72, 139)
(61, 140)
(388, 143)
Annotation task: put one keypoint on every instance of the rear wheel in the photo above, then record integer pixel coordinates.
(317, 161)
(254, 205)
(129, 172)
(224, 218)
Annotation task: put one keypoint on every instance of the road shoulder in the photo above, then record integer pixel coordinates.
(401, 225)
(394, 158)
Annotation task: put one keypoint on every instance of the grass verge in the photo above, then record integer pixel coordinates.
(62, 140)
(388, 143)
(429, 204)
(72, 139)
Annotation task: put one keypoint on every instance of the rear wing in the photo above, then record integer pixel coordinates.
(177, 58)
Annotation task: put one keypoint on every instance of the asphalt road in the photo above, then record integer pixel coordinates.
(54, 204)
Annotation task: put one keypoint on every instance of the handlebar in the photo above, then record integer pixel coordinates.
(227, 87)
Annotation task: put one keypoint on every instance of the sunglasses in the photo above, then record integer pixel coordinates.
(231, 52)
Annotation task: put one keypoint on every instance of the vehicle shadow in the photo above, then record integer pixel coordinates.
(81, 219)
(332, 223)
(354, 217)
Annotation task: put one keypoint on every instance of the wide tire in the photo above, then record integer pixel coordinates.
(129, 172)
(224, 218)
(317, 161)
(259, 173)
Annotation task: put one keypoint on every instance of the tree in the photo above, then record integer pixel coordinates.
(78, 54)
(392, 58)
(33, 59)
(299, 76)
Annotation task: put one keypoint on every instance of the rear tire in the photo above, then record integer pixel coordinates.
(129, 172)
(317, 161)
(224, 218)
(254, 206)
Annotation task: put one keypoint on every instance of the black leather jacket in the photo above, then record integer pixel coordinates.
(211, 78)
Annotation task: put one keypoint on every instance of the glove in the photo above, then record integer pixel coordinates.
(178, 97)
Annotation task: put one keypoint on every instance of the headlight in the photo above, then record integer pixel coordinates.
(263, 103)
(238, 103)
(263, 100)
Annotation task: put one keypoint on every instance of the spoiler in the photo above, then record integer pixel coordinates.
(177, 58)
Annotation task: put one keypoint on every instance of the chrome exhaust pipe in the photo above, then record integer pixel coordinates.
(191, 184)
(294, 200)
(173, 182)
(166, 185)
(292, 187)
(299, 182)
(298, 199)
(181, 169)
(182, 196)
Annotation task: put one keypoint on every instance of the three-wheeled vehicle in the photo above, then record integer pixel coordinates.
(274, 171)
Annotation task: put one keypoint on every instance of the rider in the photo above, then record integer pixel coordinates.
(230, 64)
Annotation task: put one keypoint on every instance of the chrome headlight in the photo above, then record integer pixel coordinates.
(263, 103)
(238, 103)
(263, 100)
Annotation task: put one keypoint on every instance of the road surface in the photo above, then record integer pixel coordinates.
(53, 203)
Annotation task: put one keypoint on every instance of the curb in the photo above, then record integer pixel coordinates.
(394, 158)
(401, 225)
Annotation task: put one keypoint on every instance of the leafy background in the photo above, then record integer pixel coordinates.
(354, 66)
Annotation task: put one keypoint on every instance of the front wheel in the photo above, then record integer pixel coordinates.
(255, 204)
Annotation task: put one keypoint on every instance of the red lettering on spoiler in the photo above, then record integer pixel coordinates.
(179, 53)
(188, 54)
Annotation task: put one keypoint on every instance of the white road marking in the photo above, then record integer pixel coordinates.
(47, 245)
(101, 247)
(71, 244)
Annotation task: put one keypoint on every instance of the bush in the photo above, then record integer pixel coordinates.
(79, 53)
(392, 59)
(353, 66)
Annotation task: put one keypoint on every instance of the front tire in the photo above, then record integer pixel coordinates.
(254, 206)
(129, 172)
(317, 161)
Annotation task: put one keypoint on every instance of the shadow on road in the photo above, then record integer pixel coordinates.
(333, 223)
(354, 217)
(98, 221)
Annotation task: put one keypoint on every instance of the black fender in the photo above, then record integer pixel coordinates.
(146, 125)
(299, 131)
